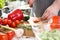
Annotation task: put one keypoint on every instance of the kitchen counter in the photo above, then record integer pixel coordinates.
(25, 38)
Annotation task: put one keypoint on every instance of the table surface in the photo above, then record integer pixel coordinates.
(25, 38)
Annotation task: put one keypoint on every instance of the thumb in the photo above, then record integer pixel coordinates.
(31, 2)
(45, 15)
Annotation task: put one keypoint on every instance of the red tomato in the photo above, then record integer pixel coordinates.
(13, 25)
(3, 36)
(4, 22)
(16, 15)
(10, 35)
(9, 22)
(17, 22)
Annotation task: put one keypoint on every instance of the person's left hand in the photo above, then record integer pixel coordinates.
(30, 2)
(50, 12)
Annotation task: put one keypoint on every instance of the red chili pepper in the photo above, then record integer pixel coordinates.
(16, 15)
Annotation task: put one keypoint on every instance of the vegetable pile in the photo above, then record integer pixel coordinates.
(9, 22)
(14, 18)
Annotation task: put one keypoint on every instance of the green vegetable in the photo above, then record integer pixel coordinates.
(13, 0)
(27, 27)
(2, 4)
(50, 35)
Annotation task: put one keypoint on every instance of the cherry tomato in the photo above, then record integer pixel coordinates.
(10, 35)
(3, 36)
(17, 22)
(9, 22)
(13, 25)
(4, 22)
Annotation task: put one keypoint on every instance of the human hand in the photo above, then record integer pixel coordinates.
(30, 2)
(50, 12)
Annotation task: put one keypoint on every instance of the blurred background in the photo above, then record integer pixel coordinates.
(16, 4)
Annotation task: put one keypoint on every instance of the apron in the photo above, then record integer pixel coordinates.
(40, 6)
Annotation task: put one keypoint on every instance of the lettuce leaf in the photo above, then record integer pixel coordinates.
(2, 4)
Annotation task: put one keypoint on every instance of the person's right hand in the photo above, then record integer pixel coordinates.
(51, 11)
(30, 2)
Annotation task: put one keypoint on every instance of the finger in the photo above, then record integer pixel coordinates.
(45, 15)
(51, 15)
(40, 18)
(31, 5)
(31, 2)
